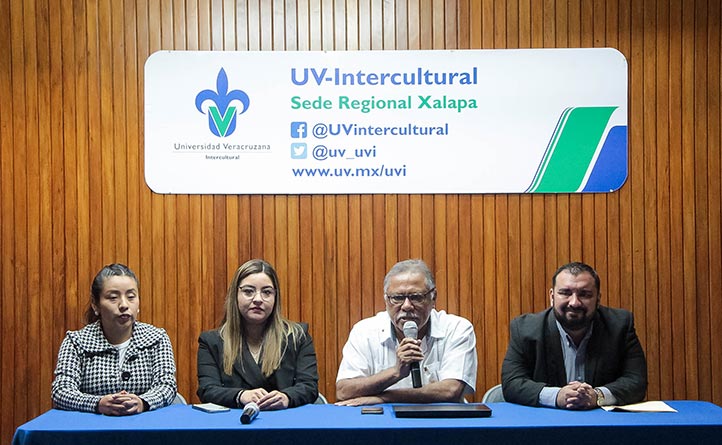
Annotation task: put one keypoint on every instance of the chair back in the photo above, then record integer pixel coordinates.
(494, 394)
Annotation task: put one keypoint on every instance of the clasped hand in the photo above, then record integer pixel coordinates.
(120, 404)
(577, 395)
(265, 400)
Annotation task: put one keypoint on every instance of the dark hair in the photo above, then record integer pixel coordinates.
(111, 270)
(576, 268)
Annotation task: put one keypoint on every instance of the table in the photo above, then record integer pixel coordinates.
(695, 422)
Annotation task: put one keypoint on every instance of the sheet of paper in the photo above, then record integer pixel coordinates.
(654, 406)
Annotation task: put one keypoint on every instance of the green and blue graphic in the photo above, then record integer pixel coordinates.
(222, 115)
(572, 161)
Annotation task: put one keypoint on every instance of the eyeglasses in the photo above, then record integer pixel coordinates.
(415, 299)
(250, 292)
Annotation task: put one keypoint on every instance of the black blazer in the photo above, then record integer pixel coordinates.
(297, 375)
(534, 358)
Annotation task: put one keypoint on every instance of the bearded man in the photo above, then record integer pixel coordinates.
(577, 354)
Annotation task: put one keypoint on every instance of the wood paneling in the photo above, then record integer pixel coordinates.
(73, 197)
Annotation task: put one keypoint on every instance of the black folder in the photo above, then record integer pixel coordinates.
(443, 410)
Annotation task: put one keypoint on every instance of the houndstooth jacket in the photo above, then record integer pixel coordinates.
(88, 368)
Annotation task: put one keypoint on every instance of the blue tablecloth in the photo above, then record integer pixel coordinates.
(695, 422)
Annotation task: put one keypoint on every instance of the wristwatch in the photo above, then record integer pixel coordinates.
(600, 396)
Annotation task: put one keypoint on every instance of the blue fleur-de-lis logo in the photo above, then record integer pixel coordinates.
(222, 112)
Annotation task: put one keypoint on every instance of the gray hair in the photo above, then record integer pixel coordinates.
(410, 266)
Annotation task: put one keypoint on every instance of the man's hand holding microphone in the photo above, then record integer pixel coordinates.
(409, 353)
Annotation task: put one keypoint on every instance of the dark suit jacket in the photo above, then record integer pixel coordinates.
(534, 358)
(297, 376)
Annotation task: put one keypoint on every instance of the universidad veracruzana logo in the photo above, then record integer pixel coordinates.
(222, 111)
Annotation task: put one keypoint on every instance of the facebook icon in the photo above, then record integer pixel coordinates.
(298, 130)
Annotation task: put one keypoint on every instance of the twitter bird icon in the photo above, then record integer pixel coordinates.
(298, 150)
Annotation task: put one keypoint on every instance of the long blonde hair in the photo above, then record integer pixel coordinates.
(276, 331)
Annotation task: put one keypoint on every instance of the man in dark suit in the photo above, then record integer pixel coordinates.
(577, 354)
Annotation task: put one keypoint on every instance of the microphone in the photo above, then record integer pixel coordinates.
(250, 411)
(411, 330)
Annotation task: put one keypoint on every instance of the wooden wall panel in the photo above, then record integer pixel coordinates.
(73, 196)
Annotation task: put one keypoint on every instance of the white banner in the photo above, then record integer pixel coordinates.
(462, 121)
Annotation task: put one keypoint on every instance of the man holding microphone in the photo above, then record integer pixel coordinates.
(410, 353)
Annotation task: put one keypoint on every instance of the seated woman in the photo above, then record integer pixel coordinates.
(115, 365)
(256, 355)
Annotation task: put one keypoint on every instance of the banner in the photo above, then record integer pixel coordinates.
(354, 122)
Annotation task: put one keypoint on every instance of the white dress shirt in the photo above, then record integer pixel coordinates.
(449, 350)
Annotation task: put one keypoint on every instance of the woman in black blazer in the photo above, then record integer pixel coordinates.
(256, 355)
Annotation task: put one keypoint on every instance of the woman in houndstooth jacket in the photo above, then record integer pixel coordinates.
(115, 365)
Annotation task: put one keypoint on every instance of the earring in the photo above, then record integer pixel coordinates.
(96, 312)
